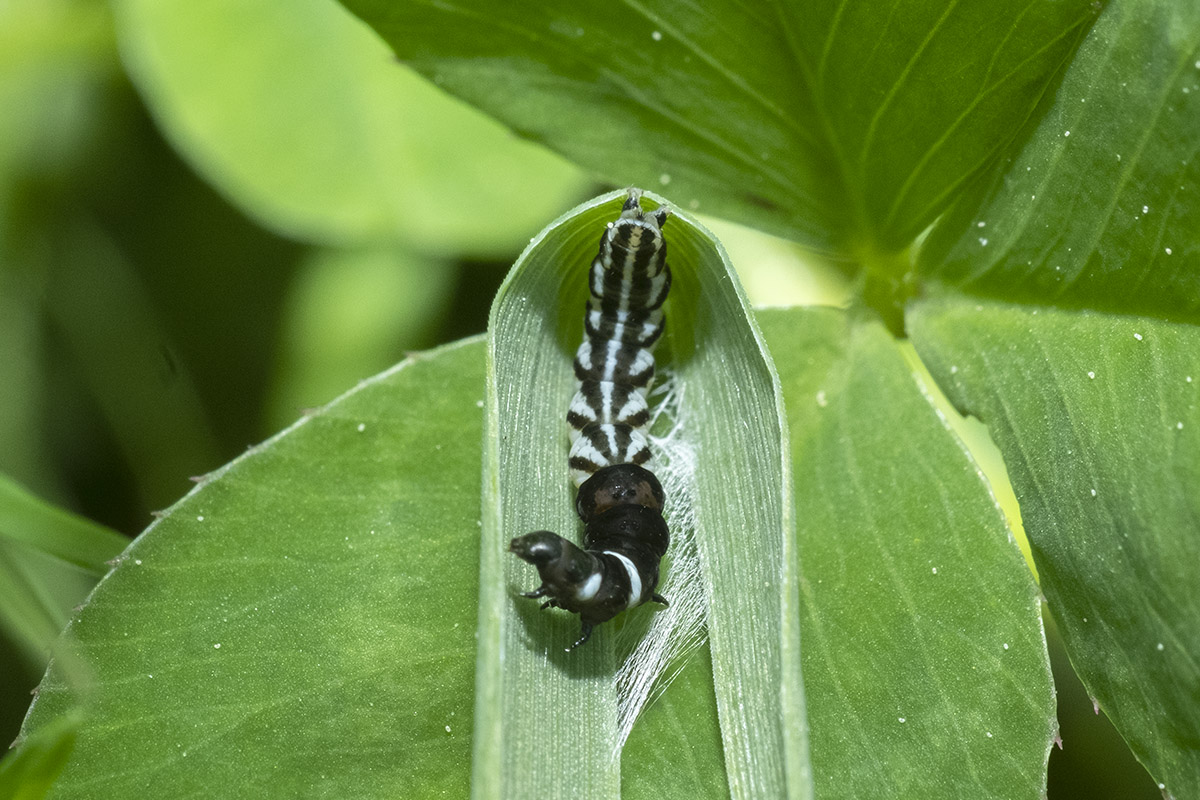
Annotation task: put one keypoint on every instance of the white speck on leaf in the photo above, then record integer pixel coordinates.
(656, 36)
(1091, 375)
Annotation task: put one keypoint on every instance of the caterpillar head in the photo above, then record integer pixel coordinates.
(632, 209)
(561, 564)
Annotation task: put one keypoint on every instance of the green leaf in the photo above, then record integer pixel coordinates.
(539, 707)
(1098, 210)
(28, 772)
(916, 97)
(300, 115)
(925, 662)
(847, 127)
(32, 522)
(302, 623)
(49, 558)
(31, 612)
(1098, 418)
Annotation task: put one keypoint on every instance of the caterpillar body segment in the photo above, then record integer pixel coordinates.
(619, 499)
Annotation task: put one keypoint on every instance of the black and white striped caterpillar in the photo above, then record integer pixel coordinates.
(619, 500)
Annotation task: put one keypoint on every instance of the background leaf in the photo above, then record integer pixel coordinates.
(835, 127)
(347, 311)
(300, 115)
(1098, 418)
(29, 772)
(1099, 209)
(538, 706)
(924, 657)
(34, 523)
(49, 559)
(303, 619)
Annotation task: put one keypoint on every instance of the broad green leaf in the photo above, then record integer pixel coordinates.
(915, 97)
(1099, 208)
(302, 623)
(539, 707)
(28, 772)
(32, 522)
(1098, 418)
(925, 664)
(301, 116)
(847, 127)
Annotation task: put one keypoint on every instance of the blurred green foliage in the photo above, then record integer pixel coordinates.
(214, 216)
(150, 328)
